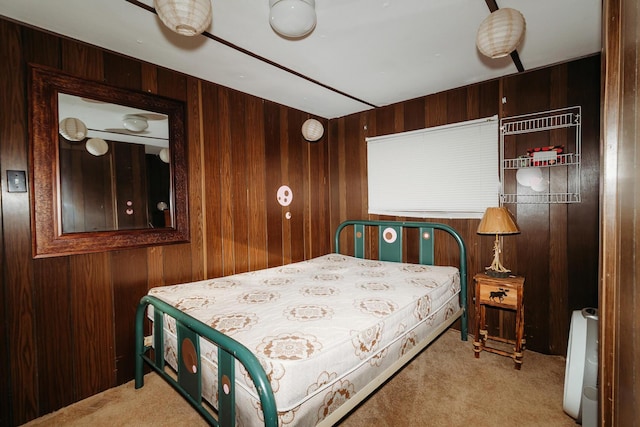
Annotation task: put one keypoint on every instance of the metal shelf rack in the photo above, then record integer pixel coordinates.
(565, 118)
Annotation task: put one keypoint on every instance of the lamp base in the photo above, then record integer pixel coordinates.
(497, 274)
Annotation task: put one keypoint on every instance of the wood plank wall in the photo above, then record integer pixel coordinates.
(67, 331)
(557, 249)
(619, 355)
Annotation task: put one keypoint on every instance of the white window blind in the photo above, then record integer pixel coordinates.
(446, 171)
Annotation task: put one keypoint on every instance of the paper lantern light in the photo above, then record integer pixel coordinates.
(97, 146)
(73, 129)
(312, 130)
(186, 17)
(500, 33)
(164, 155)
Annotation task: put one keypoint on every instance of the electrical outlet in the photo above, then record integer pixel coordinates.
(17, 181)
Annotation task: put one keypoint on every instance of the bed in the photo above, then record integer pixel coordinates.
(302, 344)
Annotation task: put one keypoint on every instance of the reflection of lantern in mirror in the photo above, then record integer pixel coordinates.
(164, 155)
(73, 129)
(97, 146)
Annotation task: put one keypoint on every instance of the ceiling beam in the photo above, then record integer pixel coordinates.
(263, 59)
(493, 6)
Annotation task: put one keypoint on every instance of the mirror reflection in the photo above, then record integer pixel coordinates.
(114, 166)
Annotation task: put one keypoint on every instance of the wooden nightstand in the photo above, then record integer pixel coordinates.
(504, 293)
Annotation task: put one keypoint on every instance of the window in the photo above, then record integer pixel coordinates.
(448, 171)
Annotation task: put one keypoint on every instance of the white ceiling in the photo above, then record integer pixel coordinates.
(362, 53)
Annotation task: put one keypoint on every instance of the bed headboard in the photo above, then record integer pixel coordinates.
(390, 246)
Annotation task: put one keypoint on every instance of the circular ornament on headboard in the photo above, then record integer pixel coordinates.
(389, 235)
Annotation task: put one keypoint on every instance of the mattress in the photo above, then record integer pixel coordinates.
(321, 328)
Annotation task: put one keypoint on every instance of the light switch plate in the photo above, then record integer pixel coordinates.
(17, 181)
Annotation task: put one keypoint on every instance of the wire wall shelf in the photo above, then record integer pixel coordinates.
(542, 159)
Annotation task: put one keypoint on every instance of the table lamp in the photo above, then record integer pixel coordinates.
(497, 221)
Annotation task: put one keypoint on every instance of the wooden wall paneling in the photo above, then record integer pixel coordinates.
(436, 110)
(613, 101)
(336, 184)
(39, 47)
(339, 193)
(258, 197)
(558, 218)
(239, 181)
(173, 85)
(318, 227)
(583, 226)
(296, 158)
(226, 182)
(213, 131)
(17, 286)
(5, 388)
(197, 182)
(82, 60)
(273, 180)
(178, 259)
(619, 296)
(307, 194)
(129, 278)
(354, 170)
(413, 118)
(177, 264)
(628, 407)
(155, 267)
(286, 180)
(50, 286)
(414, 114)
(122, 71)
(54, 335)
(457, 105)
(92, 323)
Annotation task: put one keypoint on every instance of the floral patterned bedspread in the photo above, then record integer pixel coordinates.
(313, 323)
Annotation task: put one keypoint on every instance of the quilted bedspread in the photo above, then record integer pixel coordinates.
(314, 323)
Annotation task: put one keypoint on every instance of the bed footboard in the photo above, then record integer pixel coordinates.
(188, 381)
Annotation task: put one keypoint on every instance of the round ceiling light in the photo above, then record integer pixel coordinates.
(97, 147)
(292, 18)
(186, 17)
(500, 33)
(135, 123)
(312, 130)
(73, 129)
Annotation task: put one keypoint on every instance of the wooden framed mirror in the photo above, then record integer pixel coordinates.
(108, 166)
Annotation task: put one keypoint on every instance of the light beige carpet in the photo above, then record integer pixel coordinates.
(444, 386)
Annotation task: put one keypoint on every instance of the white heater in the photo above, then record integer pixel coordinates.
(581, 373)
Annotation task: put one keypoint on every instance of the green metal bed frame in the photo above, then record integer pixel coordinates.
(188, 381)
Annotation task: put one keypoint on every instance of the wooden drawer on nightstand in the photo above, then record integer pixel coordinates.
(500, 294)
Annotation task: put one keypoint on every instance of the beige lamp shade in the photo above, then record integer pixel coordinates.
(73, 129)
(97, 147)
(186, 17)
(497, 221)
(500, 33)
(312, 130)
